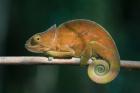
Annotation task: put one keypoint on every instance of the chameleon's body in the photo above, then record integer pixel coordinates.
(84, 39)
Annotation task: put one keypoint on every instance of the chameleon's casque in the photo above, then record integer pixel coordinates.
(84, 39)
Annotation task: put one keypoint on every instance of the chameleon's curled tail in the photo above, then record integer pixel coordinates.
(101, 71)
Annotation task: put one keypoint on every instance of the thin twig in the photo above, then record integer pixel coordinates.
(45, 60)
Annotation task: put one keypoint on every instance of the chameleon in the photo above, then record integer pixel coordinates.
(84, 39)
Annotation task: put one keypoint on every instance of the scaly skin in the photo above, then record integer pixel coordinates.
(84, 39)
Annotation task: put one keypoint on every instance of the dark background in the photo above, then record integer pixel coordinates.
(20, 19)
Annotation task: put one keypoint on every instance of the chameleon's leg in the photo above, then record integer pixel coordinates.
(86, 55)
(105, 70)
(64, 52)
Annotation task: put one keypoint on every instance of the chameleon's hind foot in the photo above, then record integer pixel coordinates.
(93, 59)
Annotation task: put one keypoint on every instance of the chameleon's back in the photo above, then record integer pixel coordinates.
(91, 31)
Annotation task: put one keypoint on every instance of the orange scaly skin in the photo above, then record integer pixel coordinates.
(84, 39)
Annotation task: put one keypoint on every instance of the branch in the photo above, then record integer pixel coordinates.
(44, 60)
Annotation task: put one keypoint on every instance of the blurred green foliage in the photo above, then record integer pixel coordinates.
(27, 17)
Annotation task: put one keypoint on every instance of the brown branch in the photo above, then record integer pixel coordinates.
(45, 60)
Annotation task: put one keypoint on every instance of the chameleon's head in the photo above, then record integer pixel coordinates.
(41, 42)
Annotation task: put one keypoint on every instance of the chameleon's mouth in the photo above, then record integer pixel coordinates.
(34, 49)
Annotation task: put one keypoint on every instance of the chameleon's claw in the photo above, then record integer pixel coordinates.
(93, 59)
(50, 58)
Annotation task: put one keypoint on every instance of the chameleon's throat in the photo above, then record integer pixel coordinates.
(59, 54)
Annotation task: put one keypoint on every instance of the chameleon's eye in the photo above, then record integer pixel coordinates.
(37, 38)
